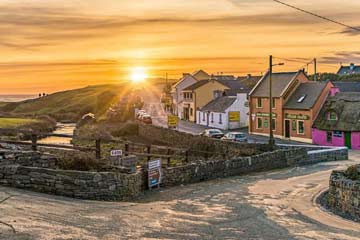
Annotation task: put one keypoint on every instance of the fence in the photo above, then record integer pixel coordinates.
(101, 149)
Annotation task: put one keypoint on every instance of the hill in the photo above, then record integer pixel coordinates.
(69, 105)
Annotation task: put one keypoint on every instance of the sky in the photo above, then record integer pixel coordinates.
(52, 45)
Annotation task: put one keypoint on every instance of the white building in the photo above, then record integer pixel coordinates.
(176, 91)
(225, 112)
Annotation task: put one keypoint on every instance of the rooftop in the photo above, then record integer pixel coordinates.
(347, 70)
(279, 83)
(305, 96)
(219, 104)
(348, 86)
(346, 105)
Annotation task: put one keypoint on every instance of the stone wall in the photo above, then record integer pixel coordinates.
(77, 184)
(344, 195)
(195, 172)
(27, 158)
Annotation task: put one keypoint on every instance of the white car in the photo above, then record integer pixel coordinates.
(212, 133)
(235, 136)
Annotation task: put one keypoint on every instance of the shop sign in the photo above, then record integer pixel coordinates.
(297, 116)
(234, 116)
(259, 114)
(337, 134)
(172, 120)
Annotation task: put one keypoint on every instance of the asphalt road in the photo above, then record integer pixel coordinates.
(271, 205)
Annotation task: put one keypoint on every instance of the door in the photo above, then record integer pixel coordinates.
(348, 139)
(287, 128)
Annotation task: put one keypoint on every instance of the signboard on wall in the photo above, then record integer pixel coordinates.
(234, 116)
(297, 116)
(154, 173)
(172, 120)
(337, 134)
(259, 114)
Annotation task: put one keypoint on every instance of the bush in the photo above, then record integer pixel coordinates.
(79, 161)
(128, 129)
(353, 172)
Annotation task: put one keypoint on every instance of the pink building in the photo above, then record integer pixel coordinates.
(338, 123)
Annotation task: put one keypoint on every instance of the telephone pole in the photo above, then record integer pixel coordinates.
(315, 70)
(271, 137)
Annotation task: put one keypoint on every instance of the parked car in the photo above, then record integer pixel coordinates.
(212, 133)
(146, 119)
(140, 112)
(235, 136)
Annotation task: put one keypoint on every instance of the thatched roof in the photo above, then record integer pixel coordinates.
(347, 107)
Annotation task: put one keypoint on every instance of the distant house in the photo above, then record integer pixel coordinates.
(296, 103)
(176, 90)
(347, 86)
(224, 112)
(348, 70)
(338, 123)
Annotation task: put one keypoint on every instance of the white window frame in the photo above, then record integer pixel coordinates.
(257, 102)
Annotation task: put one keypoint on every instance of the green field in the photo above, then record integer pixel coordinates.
(69, 105)
(16, 122)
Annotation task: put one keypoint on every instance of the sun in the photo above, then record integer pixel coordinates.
(138, 74)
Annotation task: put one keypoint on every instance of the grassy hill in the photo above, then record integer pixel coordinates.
(68, 105)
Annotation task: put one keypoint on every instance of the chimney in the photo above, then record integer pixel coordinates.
(334, 91)
(352, 66)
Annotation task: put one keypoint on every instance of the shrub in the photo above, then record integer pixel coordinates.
(353, 172)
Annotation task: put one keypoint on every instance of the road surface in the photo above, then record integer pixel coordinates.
(272, 205)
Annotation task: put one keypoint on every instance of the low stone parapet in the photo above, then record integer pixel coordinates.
(344, 195)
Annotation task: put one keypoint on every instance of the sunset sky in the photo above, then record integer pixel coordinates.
(51, 45)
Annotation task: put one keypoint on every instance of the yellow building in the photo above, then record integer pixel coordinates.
(199, 94)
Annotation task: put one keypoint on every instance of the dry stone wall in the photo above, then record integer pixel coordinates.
(344, 195)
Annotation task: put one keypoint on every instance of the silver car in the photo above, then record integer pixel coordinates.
(235, 136)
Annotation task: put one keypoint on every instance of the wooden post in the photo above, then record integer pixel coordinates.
(126, 149)
(98, 149)
(148, 150)
(187, 156)
(168, 159)
(33, 142)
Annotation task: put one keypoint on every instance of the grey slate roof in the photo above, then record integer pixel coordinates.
(196, 85)
(348, 86)
(249, 81)
(311, 91)
(279, 82)
(346, 105)
(347, 70)
(224, 77)
(219, 104)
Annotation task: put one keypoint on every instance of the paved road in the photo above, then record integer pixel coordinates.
(272, 205)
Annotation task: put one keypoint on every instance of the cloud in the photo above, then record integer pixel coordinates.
(349, 31)
(342, 57)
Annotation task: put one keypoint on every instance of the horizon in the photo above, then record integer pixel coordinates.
(64, 45)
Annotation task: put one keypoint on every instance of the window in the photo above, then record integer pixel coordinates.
(301, 99)
(273, 124)
(191, 111)
(293, 125)
(301, 127)
(212, 117)
(259, 102)
(329, 137)
(266, 123)
(273, 103)
(220, 118)
(259, 123)
(332, 116)
(190, 95)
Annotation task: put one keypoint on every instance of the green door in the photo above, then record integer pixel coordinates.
(348, 139)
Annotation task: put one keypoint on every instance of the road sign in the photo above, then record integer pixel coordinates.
(234, 116)
(154, 173)
(116, 153)
(172, 120)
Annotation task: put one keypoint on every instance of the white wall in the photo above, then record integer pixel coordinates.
(237, 106)
(185, 82)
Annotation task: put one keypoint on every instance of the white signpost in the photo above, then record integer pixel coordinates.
(116, 153)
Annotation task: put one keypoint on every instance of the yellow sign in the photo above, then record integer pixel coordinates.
(172, 120)
(234, 116)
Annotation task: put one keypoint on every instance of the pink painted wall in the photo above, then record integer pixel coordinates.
(320, 138)
(355, 140)
(334, 90)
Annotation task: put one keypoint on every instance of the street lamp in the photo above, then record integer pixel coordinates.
(271, 137)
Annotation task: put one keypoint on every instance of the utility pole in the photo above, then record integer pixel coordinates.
(166, 78)
(271, 136)
(315, 70)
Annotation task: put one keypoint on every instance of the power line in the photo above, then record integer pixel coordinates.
(318, 16)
